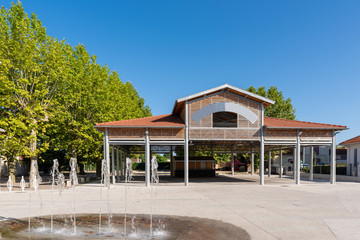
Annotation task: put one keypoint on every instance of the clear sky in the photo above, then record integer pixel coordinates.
(170, 49)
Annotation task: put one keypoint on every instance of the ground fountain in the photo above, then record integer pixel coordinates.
(10, 184)
(74, 182)
(128, 178)
(127, 225)
(22, 184)
(58, 180)
(154, 181)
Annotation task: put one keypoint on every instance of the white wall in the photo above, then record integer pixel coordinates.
(351, 169)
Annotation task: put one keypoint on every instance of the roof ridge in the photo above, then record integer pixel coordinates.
(284, 119)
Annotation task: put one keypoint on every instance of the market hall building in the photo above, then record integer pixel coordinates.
(225, 119)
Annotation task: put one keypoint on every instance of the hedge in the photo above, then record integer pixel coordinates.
(325, 169)
(141, 166)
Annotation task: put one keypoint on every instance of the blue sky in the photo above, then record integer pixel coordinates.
(170, 49)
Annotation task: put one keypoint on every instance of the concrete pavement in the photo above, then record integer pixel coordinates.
(278, 210)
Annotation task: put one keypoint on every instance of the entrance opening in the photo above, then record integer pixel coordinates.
(224, 119)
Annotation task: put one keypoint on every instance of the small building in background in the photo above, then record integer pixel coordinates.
(353, 152)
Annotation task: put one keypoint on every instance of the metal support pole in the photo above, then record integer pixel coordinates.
(186, 147)
(269, 165)
(298, 158)
(294, 162)
(261, 162)
(232, 162)
(281, 163)
(311, 178)
(117, 165)
(333, 159)
(121, 163)
(304, 155)
(171, 161)
(147, 158)
(107, 155)
(125, 165)
(252, 161)
(113, 164)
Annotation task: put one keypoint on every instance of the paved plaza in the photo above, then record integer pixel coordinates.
(278, 210)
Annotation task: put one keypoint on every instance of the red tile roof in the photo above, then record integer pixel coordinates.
(352, 140)
(166, 120)
(285, 123)
(169, 120)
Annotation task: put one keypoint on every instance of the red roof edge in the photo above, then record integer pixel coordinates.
(351, 140)
(271, 122)
(166, 120)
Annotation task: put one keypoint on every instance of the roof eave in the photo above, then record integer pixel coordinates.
(137, 126)
(348, 144)
(318, 128)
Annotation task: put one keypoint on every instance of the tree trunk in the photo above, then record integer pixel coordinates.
(11, 168)
(33, 155)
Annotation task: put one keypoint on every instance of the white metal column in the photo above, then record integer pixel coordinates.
(121, 163)
(107, 155)
(186, 146)
(281, 163)
(147, 158)
(261, 161)
(232, 162)
(298, 158)
(113, 164)
(252, 161)
(117, 165)
(311, 178)
(294, 162)
(304, 155)
(333, 159)
(269, 165)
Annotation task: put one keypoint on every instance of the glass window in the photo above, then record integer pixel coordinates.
(225, 120)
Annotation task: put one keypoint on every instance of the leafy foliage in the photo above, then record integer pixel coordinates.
(52, 94)
(282, 108)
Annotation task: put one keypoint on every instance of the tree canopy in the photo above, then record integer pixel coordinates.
(52, 94)
(282, 108)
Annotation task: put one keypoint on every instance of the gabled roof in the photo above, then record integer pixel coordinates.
(351, 141)
(166, 120)
(179, 102)
(279, 123)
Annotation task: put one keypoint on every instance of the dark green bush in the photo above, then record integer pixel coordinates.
(141, 166)
(325, 169)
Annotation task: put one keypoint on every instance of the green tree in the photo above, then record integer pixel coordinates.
(33, 66)
(90, 94)
(282, 108)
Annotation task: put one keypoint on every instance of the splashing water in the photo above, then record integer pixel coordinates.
(129, 171)
(10, 184)
(105, 182)
(128, 178)
(154, 170)
(35, 178)
(35, 181)
(74, 182)
(154, 180)
(57, 179)
(73, 175)
(22, 184)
